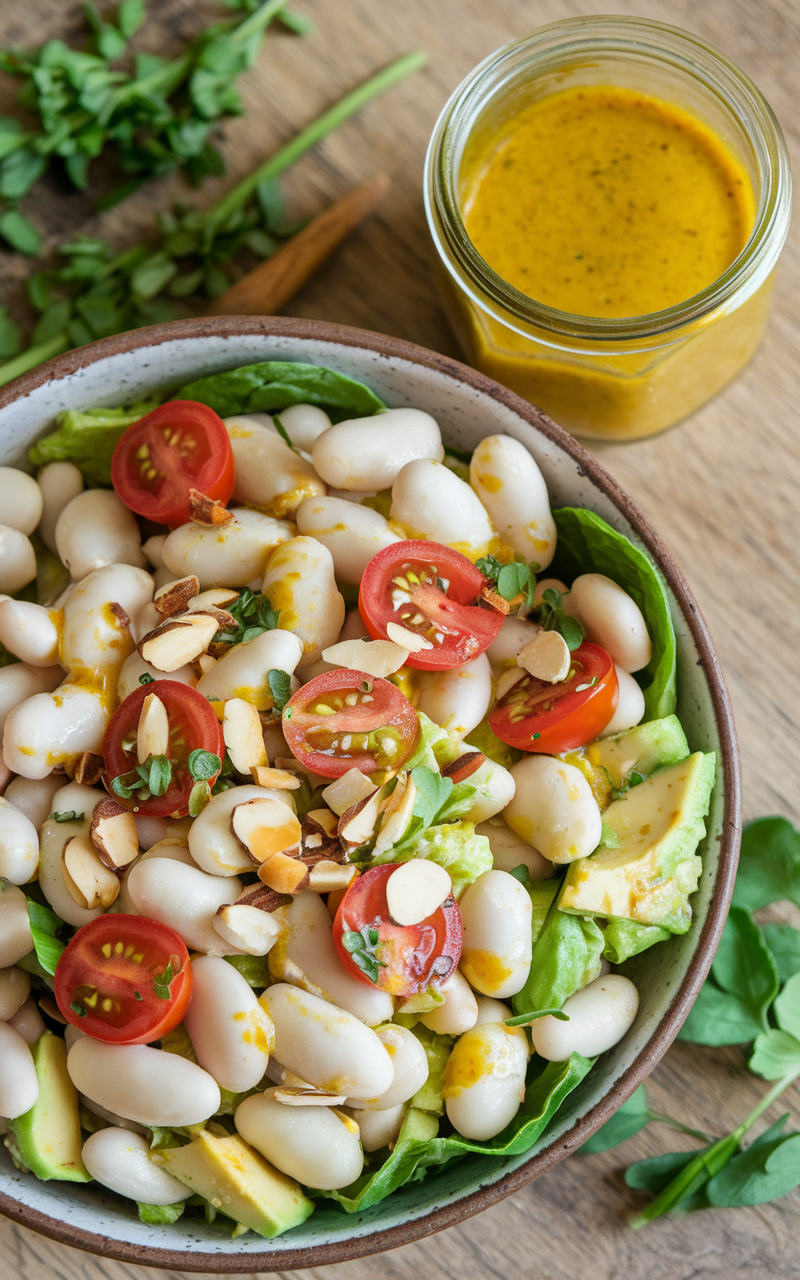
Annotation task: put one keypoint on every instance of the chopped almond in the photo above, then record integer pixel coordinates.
(241, 729)
(284, 874)
(506, 680)
(204, 663)
(88, 767)
(265, 828)
(247, 928)
(416, 889)
(407, 639)
(216, 597)
(346, 791)
(546, 656)
(280, 779)
(178, 640)
(377, 658)
(464, 767)
(175, 596)
(207, 511)
(295, 1096)
(90, 882)
(357, 824)
(152, 733)
(113, 834)
(324, 820)
(258, 895)
(329, 877)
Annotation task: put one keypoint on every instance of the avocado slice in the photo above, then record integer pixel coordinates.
(650, 874)
(47, 1139)
(643, 749)
(238, 1181)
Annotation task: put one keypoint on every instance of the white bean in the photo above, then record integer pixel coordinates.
(600, 1014)
(49, 728)
(270, 475)
(151, 830)
(230, 1031)
(457, 699)
(494, 788)
(429, 501)
(95, 529)
(300, 582)
(20, 499)
(34, 796)
(29, 632)
(315, 1145)
(511, 487)
(17, 560)
(326, 1046)
(410, 1063)
(610, 618)
(459, 1011)
(59, 483)
(554, 809)
(303, 423)
(185, 899)
(19, 1084)
(28, 1021)
(93, 636)
(305, 955)
(353, 534)
(509, 851)
(490, 1010)
(15, 987)
(19, 682)
(213, 845)
(480, 1108)
(496, 916)
(230, 556)
(119, 1160)
(16, 940)
(369, 453)
(514, 633)
(630, 707)
(379, 1128)
(135, 666)
(143, 1084)
(152, 548)
(19, 845)
(242, 673)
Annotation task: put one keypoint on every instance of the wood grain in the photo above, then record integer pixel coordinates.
(722, 489)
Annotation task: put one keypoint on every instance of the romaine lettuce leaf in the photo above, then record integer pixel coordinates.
(276, 384)
(88, 439)
(586, 544)
(455, 846)
(437, 1050)
(566, 955)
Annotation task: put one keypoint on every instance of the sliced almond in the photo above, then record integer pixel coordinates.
(265, 828)
(113, 834)
(280, 779)
(175, 596)
(284, 874)
(407, 639)
(507, 679)
(247, 928)
(258, 895)
(294, 1096)
(417, 889)
(179, 640)
(326, 821)
(329, 877)
(464, 767)
(204, 663)
(88, 880)
(494, 599)
(397, 813)
(215, 597)
(207, 511)
(152, 732)
(241, 729)
(358, 823)
(346, 791)
(546, 656)
(88, 767)
(377, 658)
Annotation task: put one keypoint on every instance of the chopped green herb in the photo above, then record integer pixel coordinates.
(550, 615)
(280, 688)
(78, 1009)
(70, 816)
(146, 678)
(203, 765)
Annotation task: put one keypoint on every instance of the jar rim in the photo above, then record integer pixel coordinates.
(589, 36)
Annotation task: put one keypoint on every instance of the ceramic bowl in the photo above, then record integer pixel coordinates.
(468, 406)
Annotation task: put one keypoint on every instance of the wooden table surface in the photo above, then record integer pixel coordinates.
(721, 489)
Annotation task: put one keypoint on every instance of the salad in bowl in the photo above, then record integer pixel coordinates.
(342, 781)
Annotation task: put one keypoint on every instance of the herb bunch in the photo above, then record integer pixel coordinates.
(96, 291)
(158, 116)
(752, 998)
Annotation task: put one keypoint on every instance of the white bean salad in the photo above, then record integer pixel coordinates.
(340, 776)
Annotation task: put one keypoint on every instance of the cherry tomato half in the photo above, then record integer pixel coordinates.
(348, 720)
(430, 590)
(192, 726)
(182, 445)
(124, 979)
(537, 716)
(401, 959)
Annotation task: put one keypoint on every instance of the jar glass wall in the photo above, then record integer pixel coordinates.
(608, 378)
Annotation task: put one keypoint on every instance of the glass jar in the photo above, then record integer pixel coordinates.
(609, 379)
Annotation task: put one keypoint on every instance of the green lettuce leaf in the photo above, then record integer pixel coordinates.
(418, 1148)
(276, 384)
(437, 1050)
(455, 846)
(88, 439)
(566, 955)
(625, 938)
(586, 544)
(158, 1215)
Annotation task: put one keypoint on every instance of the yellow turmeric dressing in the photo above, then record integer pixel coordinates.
(605, 202)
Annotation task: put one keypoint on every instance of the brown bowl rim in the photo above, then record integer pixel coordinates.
(450, 1214)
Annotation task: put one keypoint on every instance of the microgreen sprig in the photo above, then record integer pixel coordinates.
(254, 615)
(550, 615)
(510, 580)
(362, 947)
(152, 778)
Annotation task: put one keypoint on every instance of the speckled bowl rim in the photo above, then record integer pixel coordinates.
(544, 1160)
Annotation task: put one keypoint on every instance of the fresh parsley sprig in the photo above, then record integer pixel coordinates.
(152, 778)
(254, 615)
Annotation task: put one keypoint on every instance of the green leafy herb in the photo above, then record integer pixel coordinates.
(551, 617)
(511, 580)
(280, 688)
(70, 816)
(275, 384)
(769, 864)
(160, 1214)
(361, 947)
(732, 1006)
(254, 615)
(146, 678)
(627, 1120)
(152, 778)
(203, 765)
(522, 1019)
(199, 797)
(45, 925)
(161, 983)
(78, 1009)
(784, 943)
